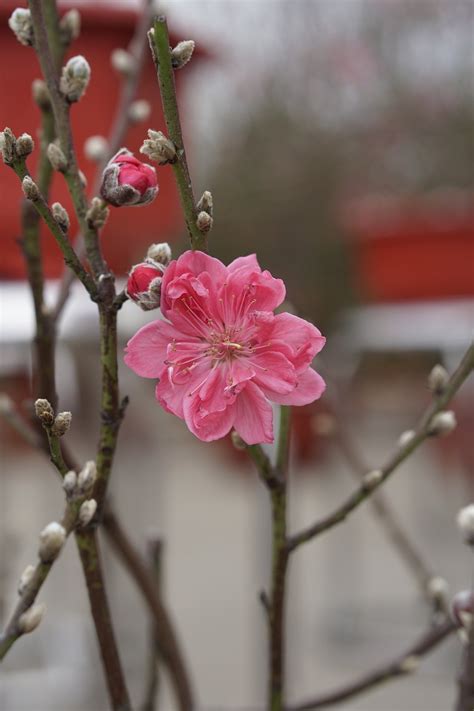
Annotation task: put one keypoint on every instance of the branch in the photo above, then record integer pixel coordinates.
(368, 487)
(400, 666)
(155, 554)
(170, 651)
(160, 49)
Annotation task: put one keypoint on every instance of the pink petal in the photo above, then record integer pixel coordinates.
(207, 426)
(172, 395)
(146, 352)
(310, 387)
(304, 339)
(249, 262)
(273, 371)
(253, 415)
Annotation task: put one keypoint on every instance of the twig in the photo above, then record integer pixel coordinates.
(117, 134)
(399, 667)
(421, 433)
(170, 651)
(465, 698)
(155, 554)
(160, 49)
(386, 516)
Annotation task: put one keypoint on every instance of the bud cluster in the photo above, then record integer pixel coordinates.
(12, 148)
(205, 209)
(75, 78)
(159, 148)
(79, 485)
(144, 281)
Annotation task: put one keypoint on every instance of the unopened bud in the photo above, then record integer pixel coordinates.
(204, 221)
(44, 412)
(70, 482)
(56, 157)
(462, 608)
(97, 214)
(61, 216)
(144, 284)
(96, 148)
(139, 111)
(75, 77)
(405, 438)
(30, 188)
(87, 511)
(51, 541)
(21, 25)
(438, 379)
(160, 253)
(182, 53)
(24, 145)
(70, 26)
(30, 619)
(8, 146)
(442, 423)
(237, 441)
(159, 148)
(122, 61)
(409, 664)
(206, 203)
(25, 579)
(372, 479)
(465, 521)
(126, 181)
(41, 94)
(437, 587)
(61, 424)
(87, 476)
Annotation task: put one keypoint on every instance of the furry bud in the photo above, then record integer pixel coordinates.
(30, 188)
(372, 479)
(21, 25)
(87, 511)
(206, 203)
(97, 214)
(87, 476)
(160, 253)
(61, 216)
(61, 424)
(204, 221)
(44, 412)
(30, 619)
(126, 181)
(159, 148)
(75, 77)
(8, 146)
(70, 482)
(40, 94)
(139, 111)
(24, 145)
(25, 579)
(96, 148)
(182, 53)
(70, 26)
(56, 157)
(51, 541)
(405, 438)
(144, 285)
(442, 423)
(438, 379)
(122, 61)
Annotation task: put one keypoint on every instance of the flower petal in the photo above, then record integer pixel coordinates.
(207, 426)
(304, 339)
(310, 387)
(273, 371)
(146, 351)
(253, 415)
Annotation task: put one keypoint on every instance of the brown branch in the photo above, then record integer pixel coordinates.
(170, 651)
(399, 667)
(155, 555)
(366, 489)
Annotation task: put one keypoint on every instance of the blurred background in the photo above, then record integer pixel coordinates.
(336, 138)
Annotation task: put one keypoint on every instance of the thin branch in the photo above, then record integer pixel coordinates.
(421, 433)
(170, 651)
(116, 137)
(400, 666)
(155, 555)
(160, 48)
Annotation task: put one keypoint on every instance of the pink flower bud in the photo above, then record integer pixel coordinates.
(128, 181)
(144, 285)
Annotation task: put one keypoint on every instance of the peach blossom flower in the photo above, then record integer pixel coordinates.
(222, 356)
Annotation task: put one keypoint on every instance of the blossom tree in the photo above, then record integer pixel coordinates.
(221, 359)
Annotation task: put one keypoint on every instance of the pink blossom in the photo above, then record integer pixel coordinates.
(127, 181)
(222, 356)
